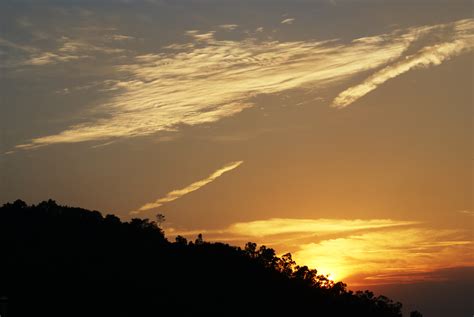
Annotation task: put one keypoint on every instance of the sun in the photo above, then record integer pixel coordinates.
(332, 277)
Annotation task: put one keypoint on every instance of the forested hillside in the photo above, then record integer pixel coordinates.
(63, 261)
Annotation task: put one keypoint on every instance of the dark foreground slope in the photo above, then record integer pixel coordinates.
(62, 261)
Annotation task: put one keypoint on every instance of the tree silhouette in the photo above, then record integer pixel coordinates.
(180, 240)
(251, 249)
(199, 240)
(160, 218)
(65, 261)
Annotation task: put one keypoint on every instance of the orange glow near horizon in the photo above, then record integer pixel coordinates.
(358, 252)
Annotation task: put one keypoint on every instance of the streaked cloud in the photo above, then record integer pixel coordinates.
(288, 21)
(201, 37)
(52, 58)
(207, 79)
(69, 50)
(20, 47)
(384, 256)
(371, 251)
(321, 226)
(177, 193)
(467, 212)
(228, 27)
(121, 37)
(426, 57)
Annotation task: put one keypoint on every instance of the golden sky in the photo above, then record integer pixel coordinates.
(339, 131)
(359, 252)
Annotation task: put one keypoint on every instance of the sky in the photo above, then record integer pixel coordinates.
(339, 131)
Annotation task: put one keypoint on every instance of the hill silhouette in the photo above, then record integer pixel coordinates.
(64, 261)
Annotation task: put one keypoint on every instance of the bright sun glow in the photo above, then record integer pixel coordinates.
(371, 251)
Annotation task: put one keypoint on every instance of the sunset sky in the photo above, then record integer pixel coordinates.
(339, 130)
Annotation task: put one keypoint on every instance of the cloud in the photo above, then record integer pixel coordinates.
(52, 58)
(121, 37)
(384, 256)
(69, 50)
(291, 233)
(467, 212)
(177, 193)
(202, 37)
(358, 251)
(6, 43)
(287, 21)
(426, 57)
(276, 226)
(208, 79)
(228, 27)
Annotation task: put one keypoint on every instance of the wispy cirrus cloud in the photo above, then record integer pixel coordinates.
(208, 79)
(45, 58)
(467, 212)
(121, 37)
(177, 193)
(426, 57)
(276, 226)
(358, 251)
(288, 21)
(9, 44)
(69, 50)
(228, 27)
